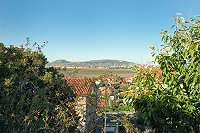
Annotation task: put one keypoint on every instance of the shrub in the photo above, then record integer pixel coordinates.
(32, 98)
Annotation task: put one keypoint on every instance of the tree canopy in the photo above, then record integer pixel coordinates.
(171, 102)
(33, 98)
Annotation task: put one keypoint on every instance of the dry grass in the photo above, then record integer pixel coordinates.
(95, 72)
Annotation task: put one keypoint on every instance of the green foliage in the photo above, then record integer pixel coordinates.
(123, 88)
(116, 79)
(32, 98)
(173, 104)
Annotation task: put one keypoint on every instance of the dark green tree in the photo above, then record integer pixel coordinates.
(33, 98)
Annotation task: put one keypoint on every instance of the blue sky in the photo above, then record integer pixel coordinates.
(80, 30)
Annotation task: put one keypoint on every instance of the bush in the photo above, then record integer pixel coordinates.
(32, 98)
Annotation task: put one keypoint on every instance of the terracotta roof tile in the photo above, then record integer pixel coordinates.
(80, 86)
(128, 94)
(104, 90)
(146, 70)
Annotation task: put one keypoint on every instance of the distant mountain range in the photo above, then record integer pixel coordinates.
(92, 64)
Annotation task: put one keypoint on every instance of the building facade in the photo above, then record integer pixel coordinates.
(86, 102)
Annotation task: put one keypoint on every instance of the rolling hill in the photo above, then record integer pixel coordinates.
(92, 64)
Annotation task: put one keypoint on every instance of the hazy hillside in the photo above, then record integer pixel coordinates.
(57, 63)
(61, 61)
(92, 64)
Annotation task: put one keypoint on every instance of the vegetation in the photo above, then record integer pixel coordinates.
(95, 72)
(33, 98)
(36, 99)
(114, 102)
(173, 104)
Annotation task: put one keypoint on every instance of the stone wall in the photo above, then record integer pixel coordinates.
(81, 111)
(86, 109)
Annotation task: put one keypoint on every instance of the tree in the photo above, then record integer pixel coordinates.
(171, 102)
(32, 98)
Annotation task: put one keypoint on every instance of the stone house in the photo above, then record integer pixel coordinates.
(86, 102)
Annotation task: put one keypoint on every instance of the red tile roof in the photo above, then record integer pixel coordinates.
(80, 86)
(101, 102)
(114, 83)
(159, 72)
(104, 90)
(128, 94)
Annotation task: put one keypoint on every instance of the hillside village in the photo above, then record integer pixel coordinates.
(104, 95)
(94, 96)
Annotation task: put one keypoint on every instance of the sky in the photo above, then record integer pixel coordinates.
(82, 30)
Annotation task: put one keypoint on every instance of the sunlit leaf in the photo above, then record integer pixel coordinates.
(179, 14)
